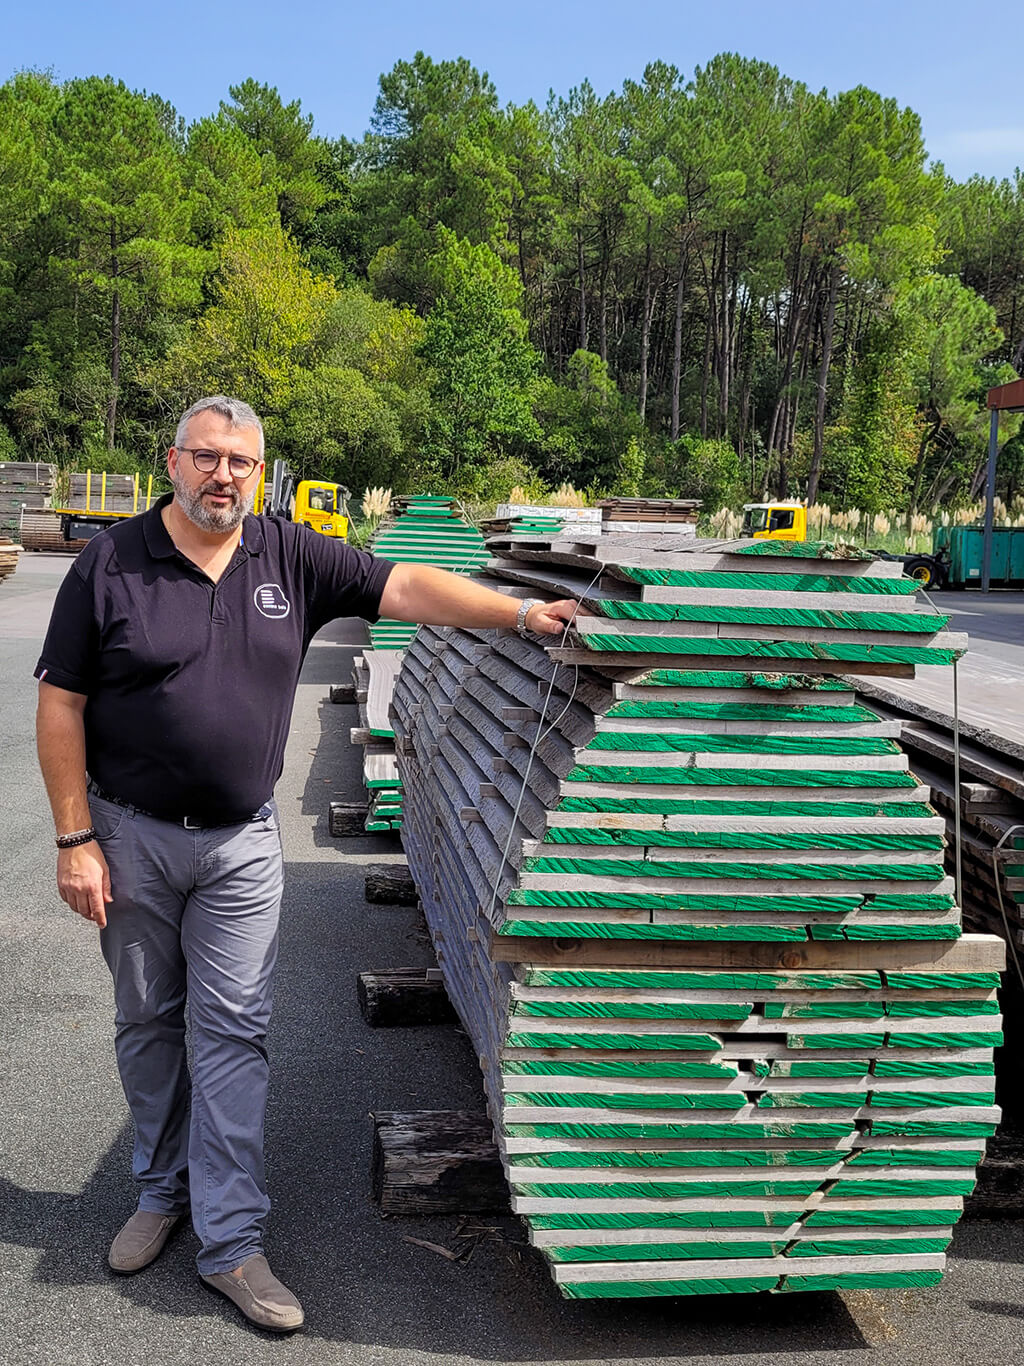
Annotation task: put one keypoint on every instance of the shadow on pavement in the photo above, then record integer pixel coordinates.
(366, 1285)
(1004, 1310)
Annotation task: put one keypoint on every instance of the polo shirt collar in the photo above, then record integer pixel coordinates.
(158, 543)
(161, 547)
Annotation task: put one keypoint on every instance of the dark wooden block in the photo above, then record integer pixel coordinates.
(346, 819)
(343, 692)
(390, 884)
(404, 996)
(437, 1162)
(999, 1193)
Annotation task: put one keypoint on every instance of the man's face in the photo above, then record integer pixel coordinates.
(214, 500)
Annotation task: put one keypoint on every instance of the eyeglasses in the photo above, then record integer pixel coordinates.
(241, 466)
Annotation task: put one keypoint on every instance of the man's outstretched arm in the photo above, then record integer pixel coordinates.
(82, 876)
(434, 597)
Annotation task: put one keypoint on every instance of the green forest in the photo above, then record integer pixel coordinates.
(717, 285)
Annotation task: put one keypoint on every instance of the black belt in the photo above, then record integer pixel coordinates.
(188, 822)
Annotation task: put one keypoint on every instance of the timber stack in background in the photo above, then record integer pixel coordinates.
(690, 904)
(25, 486)
(991, 806)
(113, 493)
(43, 531)
(418, 530)
(676, 515)
(8, 557)
(992, 872)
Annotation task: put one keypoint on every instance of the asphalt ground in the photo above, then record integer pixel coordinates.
(371, 1295)
(990, 676)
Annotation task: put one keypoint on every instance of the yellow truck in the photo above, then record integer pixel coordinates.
(778, 521)
(311, 502)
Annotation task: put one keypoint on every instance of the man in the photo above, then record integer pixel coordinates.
(166, 685)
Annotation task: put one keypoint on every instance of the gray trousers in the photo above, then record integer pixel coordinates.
(192, 929)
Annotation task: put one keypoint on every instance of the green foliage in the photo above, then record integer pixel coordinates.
(983, 223)
(708, 469)
(871, 450)
(335, 425)
(224, 175)
(260, 331)
(629, 481)
(432, 153)
(481, 487)
(475, 342)
(283, 138)
(333, 372)
(951, 331)
(8, 446)
(586, 423)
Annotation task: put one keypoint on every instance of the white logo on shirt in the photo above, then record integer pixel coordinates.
(271, 601)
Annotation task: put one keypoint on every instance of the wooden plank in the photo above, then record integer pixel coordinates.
(970, 953)
(347, 819)
(390, 884)
(639, 663)
(827, 601)
(436, 1162)
(404, 997)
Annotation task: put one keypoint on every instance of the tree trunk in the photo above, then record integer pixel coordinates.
(584, 334)
(645, 325)
(704, 377)
(777, 429)
(788, 339)
(602, 317)
(677, 341)
(819, 410)
(115, 367)
(977, 481)
(725, 348)
(926, 439)
(521, 255)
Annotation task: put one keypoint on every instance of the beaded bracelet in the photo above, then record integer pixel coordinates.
(73, 840)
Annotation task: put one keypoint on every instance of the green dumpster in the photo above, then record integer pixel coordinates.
(965, 551)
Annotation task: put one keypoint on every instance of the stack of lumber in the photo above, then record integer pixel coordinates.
(8, 557)
(991, 806)
(693, 914)
(677, 515)
(423, 530)
(24, 485)
(116, 493)
(418, 530)
(42, 531)
(374, 673)
(526, 519)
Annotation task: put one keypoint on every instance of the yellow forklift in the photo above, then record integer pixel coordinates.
(310, 502)
(778, 521)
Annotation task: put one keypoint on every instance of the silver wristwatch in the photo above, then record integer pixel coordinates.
(524, 611)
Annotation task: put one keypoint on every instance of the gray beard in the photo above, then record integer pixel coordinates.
(212, 519)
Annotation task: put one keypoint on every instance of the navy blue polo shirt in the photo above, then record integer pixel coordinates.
(190, 684)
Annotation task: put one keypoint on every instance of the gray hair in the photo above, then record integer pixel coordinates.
(237, 414)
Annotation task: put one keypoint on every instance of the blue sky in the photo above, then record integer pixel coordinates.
(931, 56)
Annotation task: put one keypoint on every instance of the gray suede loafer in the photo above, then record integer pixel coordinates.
(141, 1240)
(260, 1296)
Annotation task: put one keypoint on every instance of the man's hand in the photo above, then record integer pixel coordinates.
(551, 618)
(83, 881)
